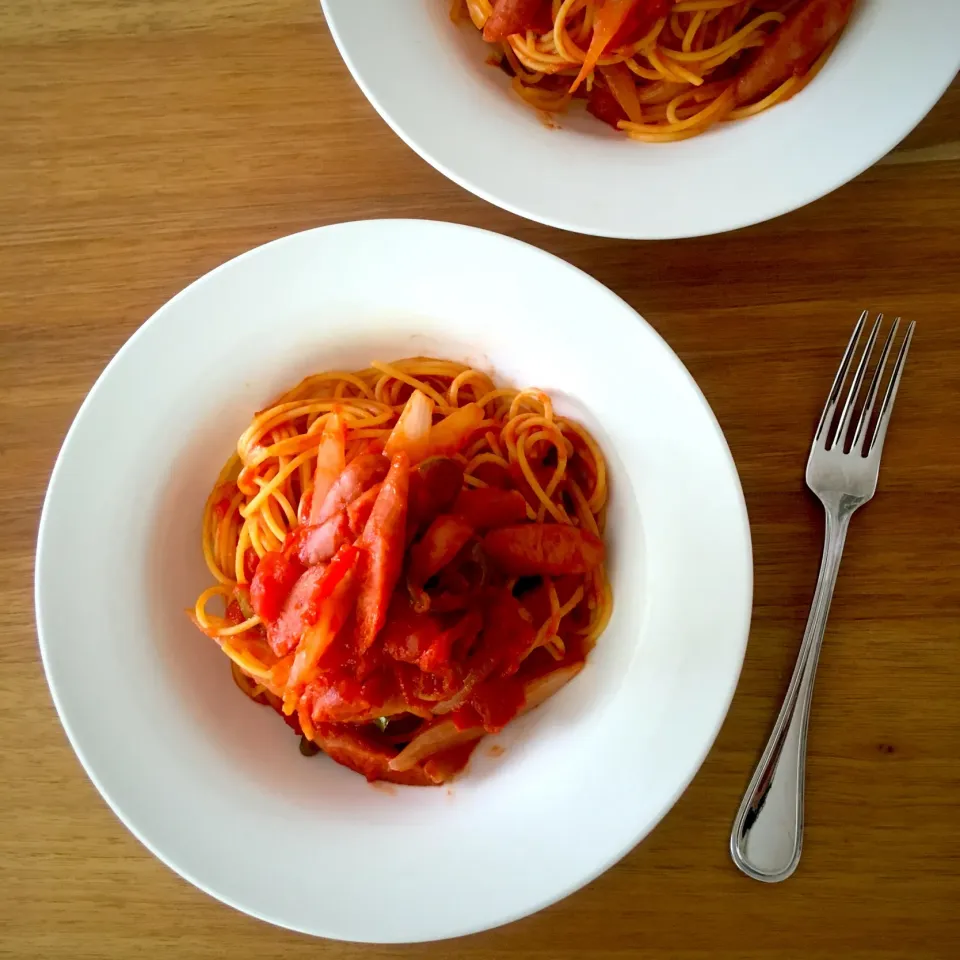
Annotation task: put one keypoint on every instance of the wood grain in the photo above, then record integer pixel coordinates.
(144, 142)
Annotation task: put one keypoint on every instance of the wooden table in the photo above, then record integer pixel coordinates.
(142, 142)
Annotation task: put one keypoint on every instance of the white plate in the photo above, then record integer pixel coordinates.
(429, 80)
(215, 786)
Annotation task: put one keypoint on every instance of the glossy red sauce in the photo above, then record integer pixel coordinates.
(452, 641)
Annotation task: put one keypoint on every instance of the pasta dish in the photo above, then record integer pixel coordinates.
(406, 558)
(659, 70)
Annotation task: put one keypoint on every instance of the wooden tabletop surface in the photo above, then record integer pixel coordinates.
(143, 142)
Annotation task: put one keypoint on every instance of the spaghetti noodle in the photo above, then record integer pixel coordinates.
(659, 70)
(407, 556)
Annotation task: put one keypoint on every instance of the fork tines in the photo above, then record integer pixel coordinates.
(835, 430)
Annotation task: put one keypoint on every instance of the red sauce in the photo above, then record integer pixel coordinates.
(452, 642)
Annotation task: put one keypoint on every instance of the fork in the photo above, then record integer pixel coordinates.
(842, 471)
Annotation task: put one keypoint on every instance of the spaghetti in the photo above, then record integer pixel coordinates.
(407, 557)
(659, 70)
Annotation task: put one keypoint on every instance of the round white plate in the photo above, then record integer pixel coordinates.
(430, 81)
(214, 785)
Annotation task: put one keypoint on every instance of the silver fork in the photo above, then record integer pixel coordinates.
(768, 831)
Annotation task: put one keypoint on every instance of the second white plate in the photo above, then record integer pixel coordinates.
(430, 81)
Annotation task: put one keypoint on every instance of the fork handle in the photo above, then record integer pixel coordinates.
(768, 831)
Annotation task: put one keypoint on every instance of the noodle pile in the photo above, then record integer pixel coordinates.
(263, 494)
(676, 79)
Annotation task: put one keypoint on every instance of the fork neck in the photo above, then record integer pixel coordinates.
(839, 507)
